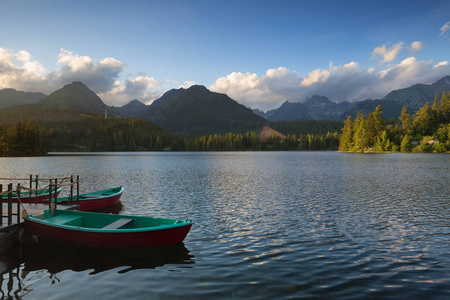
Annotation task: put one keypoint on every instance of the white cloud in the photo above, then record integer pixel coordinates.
(142, 88)
(445, 28)
(347, 82)
(315, 77)
(188, 84)
(442, 64)
(388, 54)
(20, 71)
(416, 47)
(98, 76)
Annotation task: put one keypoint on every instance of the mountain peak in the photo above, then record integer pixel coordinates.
(76, 84)
(76, 96)
(443, 81)
(198, 89)
(316, 99)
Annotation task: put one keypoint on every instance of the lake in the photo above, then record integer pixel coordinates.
(268, 225)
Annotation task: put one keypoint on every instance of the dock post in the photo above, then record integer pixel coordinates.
(71, 189)
(50, 194)
(1, 206)
(18, 203)
(31, 187)
(36, 185)
(56, 192)
(78, 191)
(10, 204)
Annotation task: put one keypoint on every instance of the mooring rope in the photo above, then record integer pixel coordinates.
(24, 210)
(6, 192)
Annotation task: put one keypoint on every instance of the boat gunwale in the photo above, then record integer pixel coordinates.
(33, 218)
(99, 196)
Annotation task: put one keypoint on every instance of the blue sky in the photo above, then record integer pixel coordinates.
(260, 53)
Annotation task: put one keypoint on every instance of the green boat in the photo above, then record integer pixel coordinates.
(94, 201)
(106, 230)
(36, 197)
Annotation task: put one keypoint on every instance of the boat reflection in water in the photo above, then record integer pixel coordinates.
(19, 265)
(56, 257)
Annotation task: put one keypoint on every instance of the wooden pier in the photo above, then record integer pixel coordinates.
(13, 208)
(31, 209)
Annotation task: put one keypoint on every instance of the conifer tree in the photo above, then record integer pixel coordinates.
(346, 143)
(406, 120)
(360, 136)
(405, 146)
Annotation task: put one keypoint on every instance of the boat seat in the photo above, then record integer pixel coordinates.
(119, 223)
(91, 196)
(64, 219)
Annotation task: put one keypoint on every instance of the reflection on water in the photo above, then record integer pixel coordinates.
(56, 257)
(47, 259)
(268, 225)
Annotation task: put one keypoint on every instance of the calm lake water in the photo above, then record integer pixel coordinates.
(268, 225)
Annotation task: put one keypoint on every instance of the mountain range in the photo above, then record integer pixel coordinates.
(314, 108)
(192, 111)
(321, 108)
(197, 110)
(11, 97)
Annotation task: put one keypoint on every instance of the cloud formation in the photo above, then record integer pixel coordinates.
(388, 54)
(143, 88)
(445, 28)
(21, 72)
(416, 47)
(348, 82)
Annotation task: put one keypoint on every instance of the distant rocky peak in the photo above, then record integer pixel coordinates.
(76, 84)
(135, 103)
(316, 99)
(198, 89)
(443, 81)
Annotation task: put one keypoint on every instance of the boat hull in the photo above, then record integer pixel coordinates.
(108, 238)
(94, 204)
(25, 198)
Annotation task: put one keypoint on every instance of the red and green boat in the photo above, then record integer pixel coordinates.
(35, 197)
(94, 201)
(106, 230)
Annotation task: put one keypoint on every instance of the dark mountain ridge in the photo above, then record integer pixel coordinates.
(314, 108)
(11, 97)
(75, 96)
(321, 108)
(413, 97)
(197, 109)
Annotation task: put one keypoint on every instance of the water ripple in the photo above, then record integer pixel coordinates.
(276, 225)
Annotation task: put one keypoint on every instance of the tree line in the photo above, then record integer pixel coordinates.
(428, 130)
(250, 142)
(30, 133)
(20, 139)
